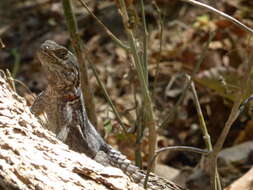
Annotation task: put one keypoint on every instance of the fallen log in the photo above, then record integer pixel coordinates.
(31, 157)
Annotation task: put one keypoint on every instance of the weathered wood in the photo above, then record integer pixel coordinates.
(31, 157)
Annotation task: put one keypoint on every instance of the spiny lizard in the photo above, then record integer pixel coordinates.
(63, 104)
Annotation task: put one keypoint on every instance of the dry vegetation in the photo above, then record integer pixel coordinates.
(178, 40)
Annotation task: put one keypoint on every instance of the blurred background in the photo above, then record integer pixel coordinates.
(178, 33)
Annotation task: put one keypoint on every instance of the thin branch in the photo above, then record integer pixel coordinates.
(145, 42)
(161, 28)
(235, 112)
(172, 148)
(113, 37)
(147, 103)
(187, 85)
(203, 127)
(204, 130)
(17, 63)
(230, 18)
(78, 48)
(107, 97)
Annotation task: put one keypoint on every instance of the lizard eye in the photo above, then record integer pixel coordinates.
(61, 53)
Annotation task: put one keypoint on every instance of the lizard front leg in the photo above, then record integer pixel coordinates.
(39, 104)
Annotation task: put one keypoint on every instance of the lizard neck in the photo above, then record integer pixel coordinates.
(66, 93)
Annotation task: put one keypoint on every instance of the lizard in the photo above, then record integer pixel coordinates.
(62, 101)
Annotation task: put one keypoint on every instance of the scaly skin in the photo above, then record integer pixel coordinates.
(63, 104)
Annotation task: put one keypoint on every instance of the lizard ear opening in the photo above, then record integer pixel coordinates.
(61, 53)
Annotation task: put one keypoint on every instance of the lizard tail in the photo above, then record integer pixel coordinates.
(117, 159)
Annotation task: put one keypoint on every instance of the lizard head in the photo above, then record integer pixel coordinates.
(60, 65)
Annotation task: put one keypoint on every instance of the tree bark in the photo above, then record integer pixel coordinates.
(31, 157)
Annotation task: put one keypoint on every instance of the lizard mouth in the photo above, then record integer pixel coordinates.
(47, 52)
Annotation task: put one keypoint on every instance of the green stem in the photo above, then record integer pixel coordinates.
(145, 43)
(203, 127)
(147, 104)
(78, 48)
(108, 98)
